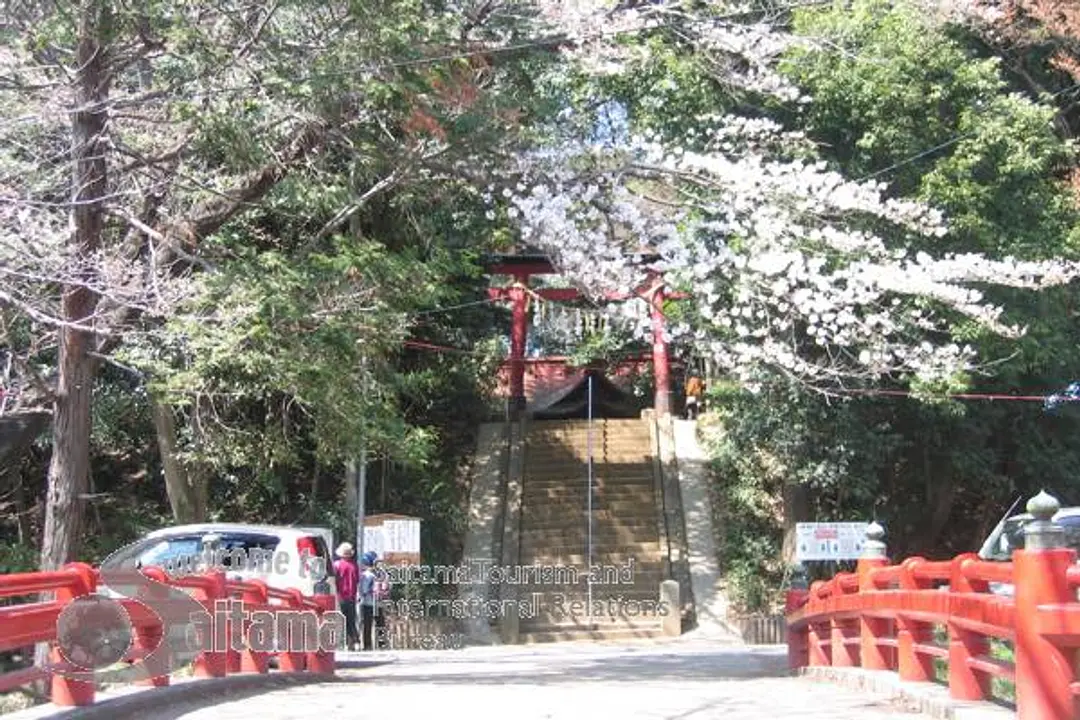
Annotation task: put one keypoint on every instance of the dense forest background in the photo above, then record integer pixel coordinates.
(302, 239)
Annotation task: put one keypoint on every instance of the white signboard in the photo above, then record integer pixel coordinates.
(829, 541)
(401, 536)
(373, 539)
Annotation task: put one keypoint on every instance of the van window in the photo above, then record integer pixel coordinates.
(1012, 536)
(185, 552)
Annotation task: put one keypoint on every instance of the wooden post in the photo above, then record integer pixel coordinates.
(661, 362)
(912, 665)
(255, 660)
(213, 661)
(322, 661)
(67, 692)
(1044, 671)
(965, 682)
(817, 647)
(519, 332)
(291, 657)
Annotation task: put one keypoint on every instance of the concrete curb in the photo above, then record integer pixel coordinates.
(928, 698)
(132, 701)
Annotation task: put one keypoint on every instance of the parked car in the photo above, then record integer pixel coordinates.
(268, 553)
(1009, 536)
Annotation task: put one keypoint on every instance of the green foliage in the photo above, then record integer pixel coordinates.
(897, 95)
(902, 99)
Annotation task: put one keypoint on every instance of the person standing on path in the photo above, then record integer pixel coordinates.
(381, 592)
(693, 389)
(367, 596)
(348, 577)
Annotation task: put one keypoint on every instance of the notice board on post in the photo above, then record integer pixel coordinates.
(394, 538)
(829, 541)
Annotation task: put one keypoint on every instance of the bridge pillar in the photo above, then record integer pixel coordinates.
(1044, 670)
(661, 361)
(912, 665)
(322, 661)
(966, 646)
(212, 663)
(67, 692)
(872, 654)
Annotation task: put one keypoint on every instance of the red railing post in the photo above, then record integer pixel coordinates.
(912, 665)
(818, 642)
(291, 657)
(213, 660)
(256, 659)
(797, 638)
(147, 638)
(64, 691)
(1044, 671)
(872, 630)
(965, 645)
(322, 660)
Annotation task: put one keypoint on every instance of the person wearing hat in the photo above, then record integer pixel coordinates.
(367, 596)
(348, 579)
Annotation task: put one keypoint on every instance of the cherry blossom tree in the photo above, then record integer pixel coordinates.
(789, 265)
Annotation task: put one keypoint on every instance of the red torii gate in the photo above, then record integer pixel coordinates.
(521, 268)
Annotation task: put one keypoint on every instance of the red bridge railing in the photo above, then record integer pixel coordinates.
(883, 617)
(29, 623)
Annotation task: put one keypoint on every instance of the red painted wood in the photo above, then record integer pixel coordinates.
(897, 605)
(28, 623)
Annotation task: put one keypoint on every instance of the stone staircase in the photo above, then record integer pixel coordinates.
(625, 532)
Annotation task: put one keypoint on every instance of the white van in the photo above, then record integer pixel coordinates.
(1009, 536)
(282, 557)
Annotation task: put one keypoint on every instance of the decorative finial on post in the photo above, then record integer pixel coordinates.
(1041, 533)
(874, 545)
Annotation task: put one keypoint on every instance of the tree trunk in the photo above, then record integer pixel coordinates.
(796, 510)
(69, 467)
(186, 487)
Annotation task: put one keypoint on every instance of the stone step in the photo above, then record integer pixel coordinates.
(581, 448)
(643, 521)
(638, 590)
(544, 507)
(641, 551)
(606, 554)
(632, 513)
(582, 430)
(579, 531)
(563, 480)
(627, 564)
(569, 492)
(622, 505)
(581, 437)
(596, 428)
(610, 459)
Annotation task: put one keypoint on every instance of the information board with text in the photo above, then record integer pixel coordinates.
(829, 541)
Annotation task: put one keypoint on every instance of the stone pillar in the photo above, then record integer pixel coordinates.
(519, 331)
(671, 607)
(661, 362)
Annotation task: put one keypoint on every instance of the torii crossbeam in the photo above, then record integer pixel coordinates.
(521, 268)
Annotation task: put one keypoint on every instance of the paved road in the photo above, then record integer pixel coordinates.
(666, 682)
